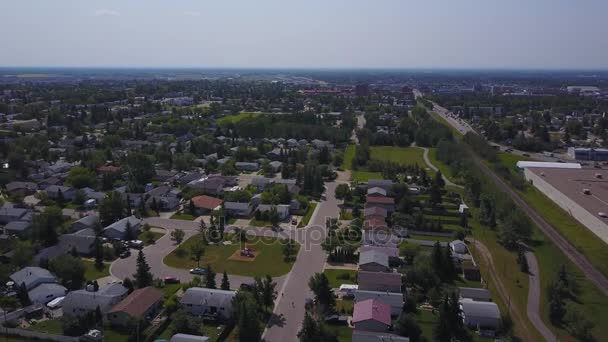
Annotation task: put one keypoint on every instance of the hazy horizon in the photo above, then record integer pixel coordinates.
(273, 34)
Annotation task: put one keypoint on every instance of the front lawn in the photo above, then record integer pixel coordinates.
(51, 326)
(339, 277)
(183, 216)
(268, 261)
(150, 237)
(309, 211)
(91, 272)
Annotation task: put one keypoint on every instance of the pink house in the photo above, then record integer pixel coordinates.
(372, 315)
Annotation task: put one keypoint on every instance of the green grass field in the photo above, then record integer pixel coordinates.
(51, 326)
(153, 237)
(236, 118)
(92, 273)
(269, 260)
(445, 169)
(400, 155)
(309, 211)
(364, 176)
(339, 277)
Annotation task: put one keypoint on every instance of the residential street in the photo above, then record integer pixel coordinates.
(289, 309)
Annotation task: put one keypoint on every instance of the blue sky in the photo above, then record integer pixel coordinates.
(548, 34)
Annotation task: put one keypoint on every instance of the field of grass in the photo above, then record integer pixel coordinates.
(183, 216)
(236, 118)
(306, 218)
(92, 273)
(269, 260)
(364, 176)
(51, 326)
(339, 277)
(400, 155)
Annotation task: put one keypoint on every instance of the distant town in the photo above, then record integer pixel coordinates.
(303, 205)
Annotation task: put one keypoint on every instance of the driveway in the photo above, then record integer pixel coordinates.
(289, 310)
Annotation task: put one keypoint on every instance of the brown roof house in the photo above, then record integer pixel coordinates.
(387, 203)
(379, 281)
(140, 304)
(205, 204)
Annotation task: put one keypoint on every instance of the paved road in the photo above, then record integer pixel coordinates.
(534, 298)
(289, 309)
(428, 162)
(564, 245)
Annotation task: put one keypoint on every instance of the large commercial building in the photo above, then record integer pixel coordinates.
(593, 154)
(583, 193)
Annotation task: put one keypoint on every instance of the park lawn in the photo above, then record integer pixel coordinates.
(236, 118)
(577, 234)
(309, 211)
(51, 326)
(338, 277)
(399, 155)
(91, 272)
(344, 332)
(364, 176)
(270, 260)
(183, 216)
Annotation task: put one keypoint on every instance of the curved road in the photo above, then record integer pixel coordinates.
(533, 308)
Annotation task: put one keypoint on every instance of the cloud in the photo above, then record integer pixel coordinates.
(106, 13)
(192, 13)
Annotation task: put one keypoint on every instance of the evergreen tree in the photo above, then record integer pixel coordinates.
(143, 276)
(269, 293)
(210, 278)
(98, 252)
(406, 325)
(225, 282)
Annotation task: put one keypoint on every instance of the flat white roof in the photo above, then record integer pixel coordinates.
(524, 164)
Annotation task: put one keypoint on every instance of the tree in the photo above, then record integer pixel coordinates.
(343, 192)
(177, 236)
(439, 180)
(128, 284)
(111, 208)
(246, 317)
(23, 254)
(319, 285)
(210, 278)
(269, 292)
(407, 326)
(522, 261)
(23, 295)
(129, 233)
(70, 270)
(192, 208)
(579, 325)
(197, 250)
(44, 226)
(435, 198)
(225, 282)
(143, 276)
(289, 249)
(315, 330)
(273, 216)
(81, 177)
(450, 326)
(98, 252)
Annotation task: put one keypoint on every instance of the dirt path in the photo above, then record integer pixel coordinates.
(534, 298)
(520, 321)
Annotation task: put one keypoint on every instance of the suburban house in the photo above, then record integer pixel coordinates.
(140, 304)
(385, 184)
(41, 285)
(244, 166)
(32, 277)
(371, 315)
(391, 252)
(478, 295)
(200, 301)
(387, 203)
(78, 303)
(482, 315)
(395, 300)
(373, 212)
(10, 213)
(21, 188)
(373, 261)
(188, 338)
(375, 224)
(275, 166)
(373, 336)
(166, 198)
(118, 229)
(59, 191)
(45, 293)
(379, 281)
(376, 192)
(205, 204)
(88, 221)
(261, 182)
(18, 228)
(239, 209)
(282, 209)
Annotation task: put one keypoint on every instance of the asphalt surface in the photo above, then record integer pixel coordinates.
(533, 308)
(289, 310)
(564, 245)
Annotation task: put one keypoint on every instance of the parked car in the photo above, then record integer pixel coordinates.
(171, 280)
(198, 271)
(125, 254)
(137, 244)
(294, 221)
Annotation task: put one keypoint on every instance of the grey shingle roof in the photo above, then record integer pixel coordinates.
(373, 256)
(88, 301)
(32, 276)
(208, 297)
